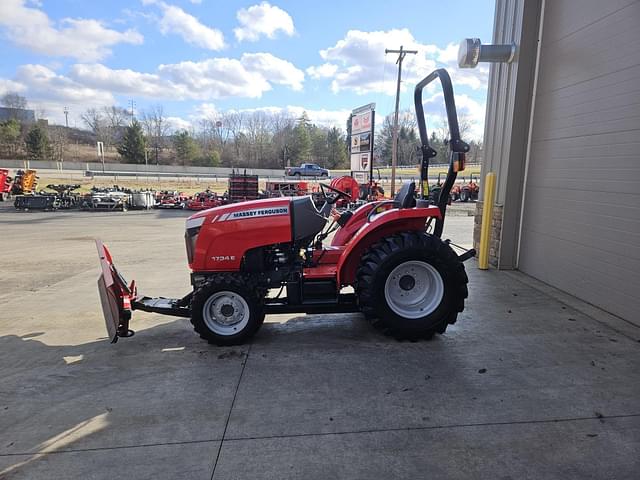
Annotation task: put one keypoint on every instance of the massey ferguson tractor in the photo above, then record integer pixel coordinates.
(386, 259)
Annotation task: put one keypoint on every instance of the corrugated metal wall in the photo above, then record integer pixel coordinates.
(581, 216)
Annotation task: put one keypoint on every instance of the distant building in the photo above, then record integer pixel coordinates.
(20, 114)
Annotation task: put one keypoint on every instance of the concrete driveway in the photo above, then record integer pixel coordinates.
(529, 384)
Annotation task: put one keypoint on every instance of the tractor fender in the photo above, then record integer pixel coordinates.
(383, 225)
(355, 223)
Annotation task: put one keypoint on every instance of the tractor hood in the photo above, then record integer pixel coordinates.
(250, 209)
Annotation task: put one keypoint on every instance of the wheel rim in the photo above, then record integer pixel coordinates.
(414, 289)
(226, 313)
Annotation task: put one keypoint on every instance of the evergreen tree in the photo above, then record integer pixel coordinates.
(37, 143)
(185, 146)
(336, 149)
(9, 136)
(301, 148)
(133, 144)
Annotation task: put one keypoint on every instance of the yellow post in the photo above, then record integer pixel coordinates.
(489, 187)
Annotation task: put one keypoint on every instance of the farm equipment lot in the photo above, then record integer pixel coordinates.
(315, 396)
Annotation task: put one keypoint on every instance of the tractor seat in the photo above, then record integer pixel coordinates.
(405, 198)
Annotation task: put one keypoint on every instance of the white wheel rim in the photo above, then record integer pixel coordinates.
(226, 313)
(414, 289)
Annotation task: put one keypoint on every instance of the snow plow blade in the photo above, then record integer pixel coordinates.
(119, 299)
(115, 296)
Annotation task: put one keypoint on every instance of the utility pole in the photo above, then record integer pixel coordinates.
(394, 142)
(66, 116)
(132, 104)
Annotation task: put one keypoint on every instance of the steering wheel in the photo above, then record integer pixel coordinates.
(335, 190)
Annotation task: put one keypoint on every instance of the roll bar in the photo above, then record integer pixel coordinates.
(457, 147)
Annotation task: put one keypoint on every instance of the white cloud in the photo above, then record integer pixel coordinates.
(175, 20)
(213, 78)
(43, 84)
(177, 124)
(322, 117)
(326, 70)
(7, 85)
(361, 60)
(275, 69)
(361, 65)
(83, 39)
(470, 114)
(263, 19)
(123, 81)
(48, 93)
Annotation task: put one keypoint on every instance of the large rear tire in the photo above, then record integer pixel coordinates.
(411, 286)
(227, 310)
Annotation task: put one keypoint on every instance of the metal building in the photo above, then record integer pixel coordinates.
(563, 135)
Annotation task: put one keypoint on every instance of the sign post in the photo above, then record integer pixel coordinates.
(361, 141)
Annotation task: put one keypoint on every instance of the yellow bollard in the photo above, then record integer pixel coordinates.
(489, 187)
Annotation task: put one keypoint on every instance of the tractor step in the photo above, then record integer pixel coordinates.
(346, 303)
(176, 307)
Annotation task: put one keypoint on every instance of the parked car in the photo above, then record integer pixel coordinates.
(307, 170)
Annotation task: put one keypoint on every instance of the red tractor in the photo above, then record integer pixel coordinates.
(465, 191)
(406, 280)
(204, 200)
(6, 184)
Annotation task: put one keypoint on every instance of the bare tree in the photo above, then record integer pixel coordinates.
(59, 139)
(235, 123)
(93, 119)
(13, 100)
(156, 128)
(115, 119)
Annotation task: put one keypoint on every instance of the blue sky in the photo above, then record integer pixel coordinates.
(201, 57)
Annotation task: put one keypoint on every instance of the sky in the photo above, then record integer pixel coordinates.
(198, 58)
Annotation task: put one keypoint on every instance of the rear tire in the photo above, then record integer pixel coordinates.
(227, 310)
(411, 286)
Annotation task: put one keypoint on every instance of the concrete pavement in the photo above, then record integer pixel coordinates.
(529, 383)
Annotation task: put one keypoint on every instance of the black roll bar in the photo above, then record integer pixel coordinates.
(457, 147)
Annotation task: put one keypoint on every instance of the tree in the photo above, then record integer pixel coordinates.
(13, 100)
(301, 148)
(37, 143)
(133, 144)
(95, 121)
(9, 137)
(211, 159)
(407, 139)
(185, 146)
(59, 140)
(156, 128)
(115, 118)
(336, 149)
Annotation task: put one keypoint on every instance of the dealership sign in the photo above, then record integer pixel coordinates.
(361, 143)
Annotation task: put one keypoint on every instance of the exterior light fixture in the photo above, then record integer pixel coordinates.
(471, 52)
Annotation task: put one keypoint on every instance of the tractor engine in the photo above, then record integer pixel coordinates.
(262, 238)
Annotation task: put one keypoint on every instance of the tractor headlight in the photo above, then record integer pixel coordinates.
(191, 236)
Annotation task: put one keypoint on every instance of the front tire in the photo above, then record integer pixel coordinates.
(411, 286)
(227, 310)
